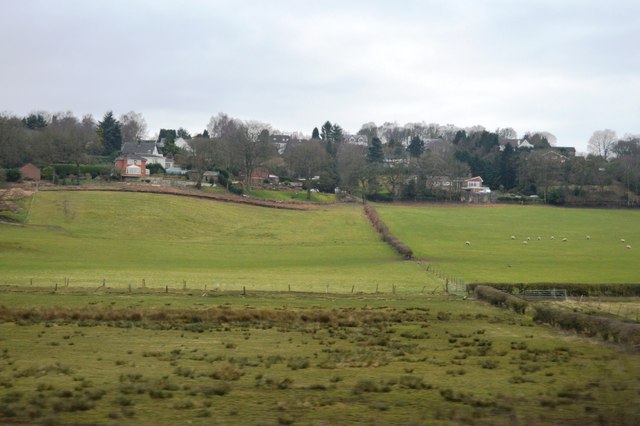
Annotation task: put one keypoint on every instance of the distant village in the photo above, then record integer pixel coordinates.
(415, 161)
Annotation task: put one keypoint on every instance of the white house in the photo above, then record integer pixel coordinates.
(148, 150)
(474, 185)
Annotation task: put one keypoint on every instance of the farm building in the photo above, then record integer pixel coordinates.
(30, 172)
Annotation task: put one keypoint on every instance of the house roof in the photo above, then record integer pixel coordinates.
(477, 178)
(131, 157)
(144, 148)
(30, 166)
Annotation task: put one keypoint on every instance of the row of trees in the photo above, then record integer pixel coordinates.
(399, 162)
(44, 138)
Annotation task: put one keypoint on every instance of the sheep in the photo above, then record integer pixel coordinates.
(553, 238)
(588, 237)
(628, 246)
(622, 240)
(564, 240)
(513, 237)
(528, 238)
(468, 243)
(524, 242)
(539, 237)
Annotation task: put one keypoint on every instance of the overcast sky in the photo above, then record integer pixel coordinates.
(563, 66)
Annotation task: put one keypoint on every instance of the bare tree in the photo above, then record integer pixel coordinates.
(354, 169)
(306, 160)
(601, 143)
(204, 154)
(134, 126)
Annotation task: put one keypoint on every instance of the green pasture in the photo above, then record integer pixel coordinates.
(439, 235)
(125, 238)
(429, 360)
(301, 196)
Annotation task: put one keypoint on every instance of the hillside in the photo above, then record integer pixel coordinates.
(126, 238)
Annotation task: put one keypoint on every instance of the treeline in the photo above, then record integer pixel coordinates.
(416, 161)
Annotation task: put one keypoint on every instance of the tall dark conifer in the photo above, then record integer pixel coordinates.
(110, 134)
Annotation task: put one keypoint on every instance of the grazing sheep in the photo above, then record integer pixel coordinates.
(628, 246)
(564, 240)
(553, 238)
(468, 243)
(588, 237)
(513, 237)
(528, 238)
(524, 242)
(622, 240)
(539, 237)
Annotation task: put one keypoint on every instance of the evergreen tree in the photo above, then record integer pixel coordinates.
(336, 133)
(205, 134)
(416, 147)
(326, 131)
(315, 134)
(35, 121)
(375, 153)
(110, 134)
(183, 133)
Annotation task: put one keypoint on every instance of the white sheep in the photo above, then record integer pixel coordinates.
(628, 246)
(528, 238)
(622, 240)
(539, 237)
(564, 240)
(468, 243)
(513, 237)
(588, 237)
(553, 238)
(524, 242)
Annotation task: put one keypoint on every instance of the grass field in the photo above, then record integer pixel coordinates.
(164, 240)
(105, 359)
(301, 196)
(439, 233)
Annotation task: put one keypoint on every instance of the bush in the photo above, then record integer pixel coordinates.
(13, 175)
(223, 177)
(501, 299)
(155, 169)
(236, 189)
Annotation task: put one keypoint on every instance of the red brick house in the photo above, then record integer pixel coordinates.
(132, 166)
(30, 172)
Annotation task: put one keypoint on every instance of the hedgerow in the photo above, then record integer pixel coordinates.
(500, 298)
(590, 325)
(573, 289)
(387, 236)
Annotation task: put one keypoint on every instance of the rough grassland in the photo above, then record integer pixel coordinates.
(439, 233)
(106, 359)
(166, 240)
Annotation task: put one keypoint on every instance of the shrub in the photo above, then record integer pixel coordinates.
(13, 175)
(501, 299)
(155, 169)
(236, 189)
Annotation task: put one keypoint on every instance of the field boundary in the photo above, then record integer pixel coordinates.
(164, 190)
